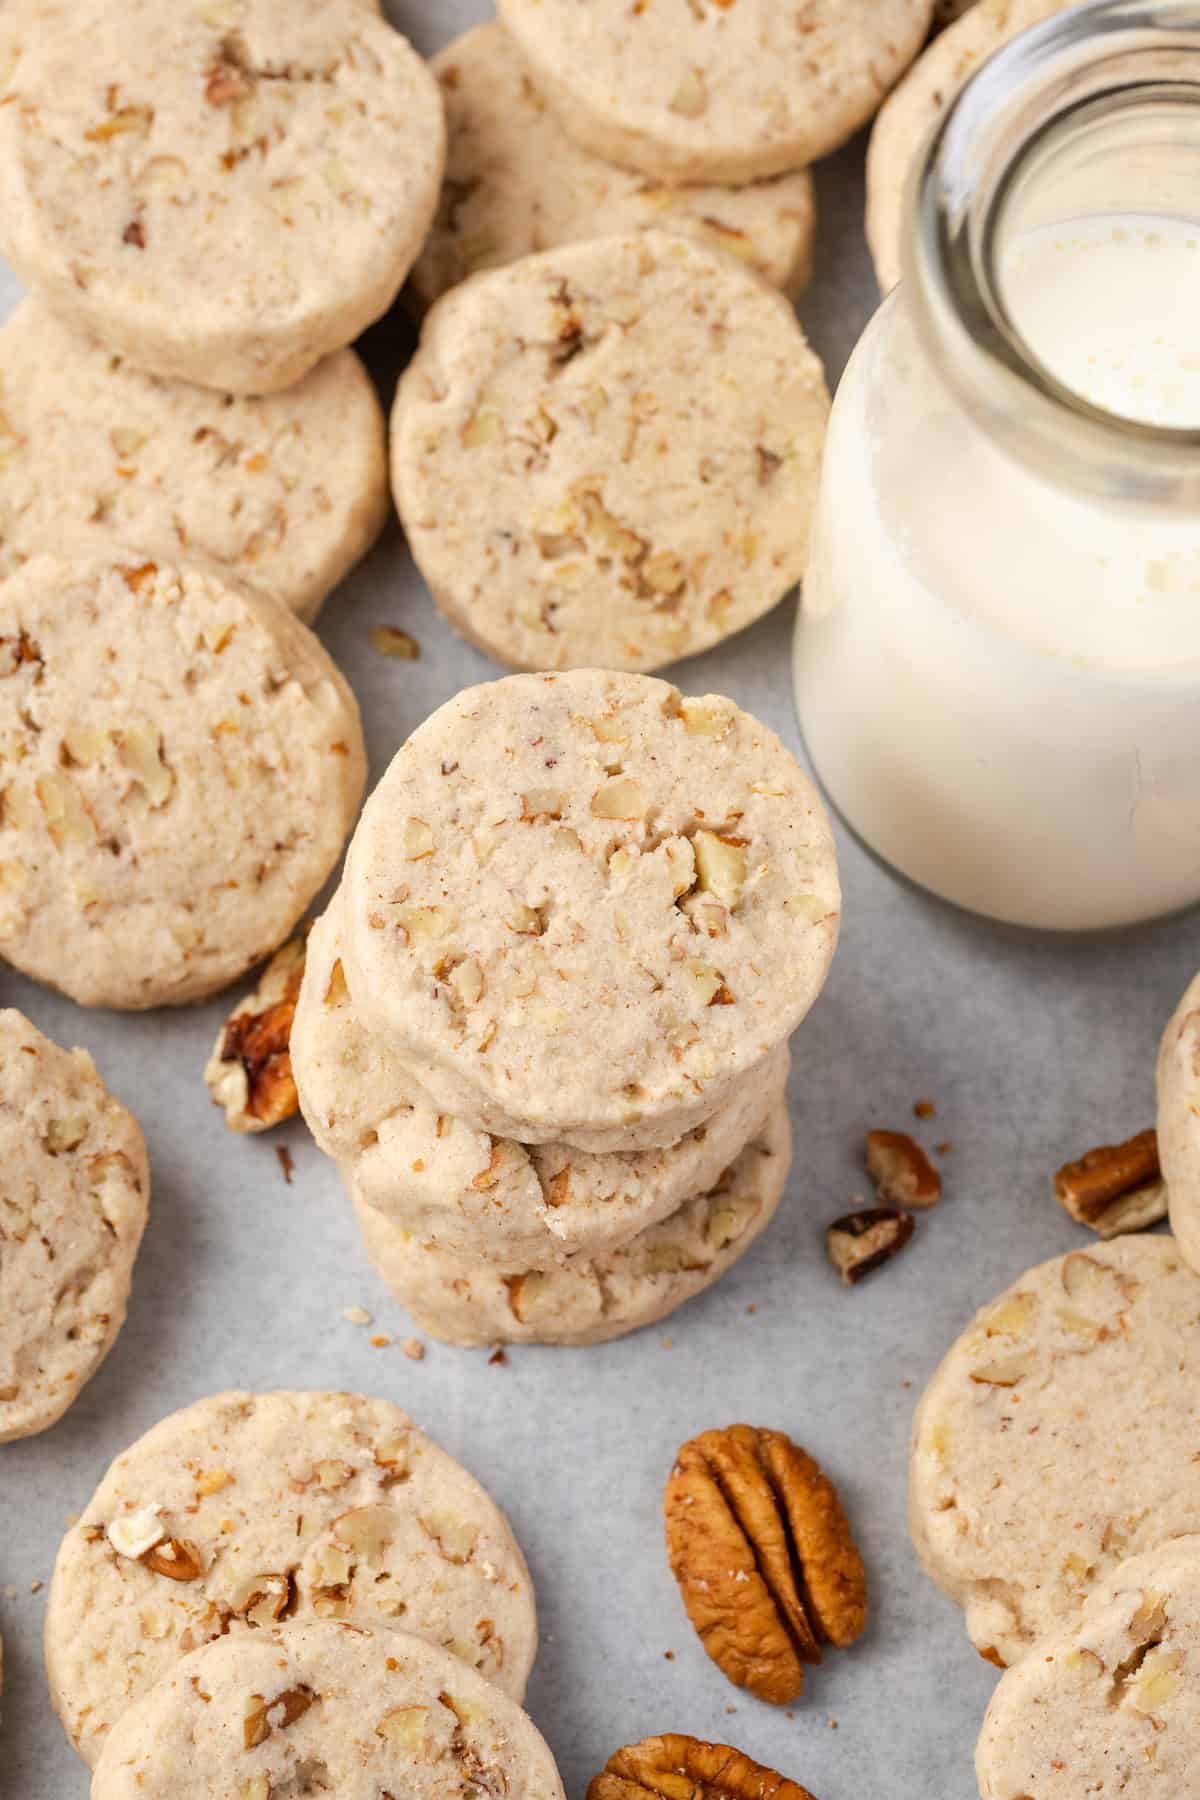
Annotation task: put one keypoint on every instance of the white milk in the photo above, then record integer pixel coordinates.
(999, 679)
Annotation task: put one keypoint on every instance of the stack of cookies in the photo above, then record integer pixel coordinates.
(209, 204)
(543, 1024)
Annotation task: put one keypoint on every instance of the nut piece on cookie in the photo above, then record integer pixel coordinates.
(250, 1070)
(764, 1557)
(902, 1173)
(673, 1765)
(1115, 1188)
(861, 1242)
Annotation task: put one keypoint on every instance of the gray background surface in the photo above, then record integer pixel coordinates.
(1033, 1049)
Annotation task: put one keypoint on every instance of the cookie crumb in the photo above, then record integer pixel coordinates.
(668, 1343)
(287, 1162)
(731, 1709)
(669, 1655)
(35, 1587)
(389, 640)
(414, 1349)
(944, 1149)
(356, 1315)
(924, 1109)
(498, 1359)
(752, 1310)
(833, 1724)
(380, 1341)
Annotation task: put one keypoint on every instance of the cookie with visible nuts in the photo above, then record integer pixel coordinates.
(463, 1191)
(584, 906)
(1179, 1121)
(911, 110)
(1110, 1703)
(589, 1300)
(764, 1557)
(181, 762)
(1048, 1446)
(516, 184)
(706, 90)
(73, 1208)
(606, 456)
(247, 1509)
(671, 1765)
(324, 1708)
(287, 491)
(172, 181)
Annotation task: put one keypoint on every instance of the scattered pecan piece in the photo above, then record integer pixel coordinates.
(863, 1241)
(902, 1173)
(1116, 1187)
(764, 1558)
(250, 1070)
(390, 640)
(674, 1767)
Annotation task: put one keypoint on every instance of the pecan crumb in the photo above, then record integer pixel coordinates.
(414, 1349)
(902, 1173)
(380, 1341)
(135, 234)
(924, 1109)
(498, 1359)
(863, 1241)
(1116, 1187)
(287, 1162)
(389, 640)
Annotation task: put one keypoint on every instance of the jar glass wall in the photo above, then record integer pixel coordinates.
(998, 648)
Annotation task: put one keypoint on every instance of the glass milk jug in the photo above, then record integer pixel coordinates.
(998, 648)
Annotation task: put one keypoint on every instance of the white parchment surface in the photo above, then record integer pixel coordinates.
(1033, 1050)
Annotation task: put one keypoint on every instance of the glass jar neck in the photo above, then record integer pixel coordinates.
(1094, 113)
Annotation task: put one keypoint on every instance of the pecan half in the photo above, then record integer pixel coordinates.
(764, 1557)
(250, 1070)
(683, 1768)
(1116, 1187)
(902, 1173)
(863, 1241)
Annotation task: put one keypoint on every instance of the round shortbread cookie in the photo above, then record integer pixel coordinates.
(182, 763)
(1179, 1121)
(324, 1709)
(224, 194)
(594, 1299)
(607, 456)
(247, 1508)
(909, 114)
(584, 906)
(1111, 1704)
(1052, 1441)
(516, 184)
(288, 491)
(73, 1207)
(715, 90)
(464, 1191)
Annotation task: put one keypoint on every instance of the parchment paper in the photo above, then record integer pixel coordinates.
(1033, 1049)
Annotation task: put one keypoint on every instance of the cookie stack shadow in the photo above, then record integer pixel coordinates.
(543, 1024)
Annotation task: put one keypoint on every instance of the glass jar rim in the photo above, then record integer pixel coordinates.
(1080, 62)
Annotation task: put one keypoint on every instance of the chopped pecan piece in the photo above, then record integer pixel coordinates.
(863, 1241)
(262, 1717)
(764, 1558)
(176, 1559)
(1116, 1187)
(250, 1070)
(674, 1767)
(902, 1173)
